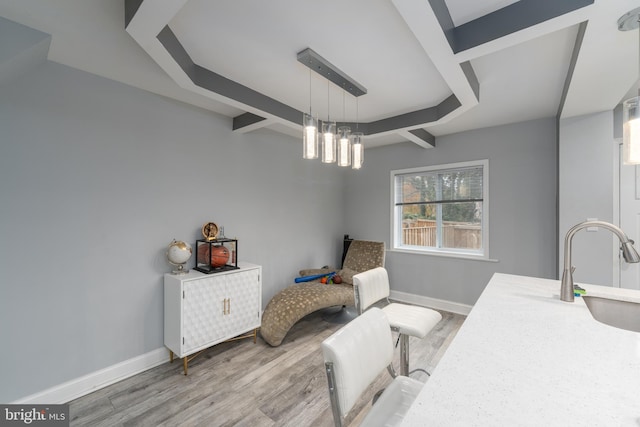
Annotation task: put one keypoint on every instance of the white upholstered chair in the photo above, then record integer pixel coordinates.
(354, 356)
(372, 286)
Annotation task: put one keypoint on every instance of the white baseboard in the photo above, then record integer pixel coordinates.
(438, 304)
(94, 381)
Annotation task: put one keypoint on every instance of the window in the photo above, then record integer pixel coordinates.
(442, 209)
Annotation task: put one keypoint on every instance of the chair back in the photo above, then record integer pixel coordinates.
(354, 356)
(370, 287)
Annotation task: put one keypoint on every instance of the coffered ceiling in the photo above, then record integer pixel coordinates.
(430, 67)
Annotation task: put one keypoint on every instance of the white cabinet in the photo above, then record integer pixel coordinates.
(201, 310)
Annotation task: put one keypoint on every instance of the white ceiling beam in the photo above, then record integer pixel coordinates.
(424, 24)
(150, 20)
(526, 34)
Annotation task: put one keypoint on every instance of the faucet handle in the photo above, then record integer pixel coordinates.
(573, 268)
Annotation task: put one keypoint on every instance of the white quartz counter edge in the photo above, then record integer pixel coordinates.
(525, 358)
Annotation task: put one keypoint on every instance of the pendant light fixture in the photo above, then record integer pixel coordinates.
(310, 131)
(346, 150)
(328, 135)
(631, 107)
(344, 144)
(357, 146)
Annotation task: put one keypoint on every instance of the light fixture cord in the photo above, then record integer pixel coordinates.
(344, 120)
(328, 102)
(310, 92)
(356, 113)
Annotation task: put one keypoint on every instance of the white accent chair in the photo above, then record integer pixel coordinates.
(354, 356)
(372, 286)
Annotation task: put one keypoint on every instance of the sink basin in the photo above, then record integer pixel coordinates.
(613, 312)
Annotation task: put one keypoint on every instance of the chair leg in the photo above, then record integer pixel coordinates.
(404, 355)
(404, 363)
(333, 395)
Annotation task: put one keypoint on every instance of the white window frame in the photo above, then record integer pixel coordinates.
(396, 214)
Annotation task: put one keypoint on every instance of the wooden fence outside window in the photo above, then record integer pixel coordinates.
(458, 235)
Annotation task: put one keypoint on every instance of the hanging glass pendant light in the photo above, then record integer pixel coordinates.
(309, 131)
(344, 144)
(358, 150)
(357, 146)
(328, 136)
(328, 142)
(631, 107)
(310, 137)
(631, 131)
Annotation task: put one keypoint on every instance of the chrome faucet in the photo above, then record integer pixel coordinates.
(628, 253)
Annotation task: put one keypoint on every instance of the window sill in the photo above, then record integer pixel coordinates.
(444, 255)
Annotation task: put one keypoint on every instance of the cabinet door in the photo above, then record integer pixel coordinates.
(203, 312)
(243, 289)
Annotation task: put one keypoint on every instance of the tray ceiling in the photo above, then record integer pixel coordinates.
(430, 67)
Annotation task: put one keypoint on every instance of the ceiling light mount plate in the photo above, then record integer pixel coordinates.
(326, 69)
(629, 21)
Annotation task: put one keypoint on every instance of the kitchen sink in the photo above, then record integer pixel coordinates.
(613, 312)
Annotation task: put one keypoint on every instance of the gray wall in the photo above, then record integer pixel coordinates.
(586, 185)
(522, 194)
(96, 178)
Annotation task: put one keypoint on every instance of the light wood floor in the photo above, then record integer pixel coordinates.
(245, 384)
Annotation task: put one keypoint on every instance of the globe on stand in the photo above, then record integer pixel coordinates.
(178, 253)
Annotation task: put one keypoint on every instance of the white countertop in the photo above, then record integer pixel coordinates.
(525, 358)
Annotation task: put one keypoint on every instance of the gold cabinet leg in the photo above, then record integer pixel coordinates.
(186, 359)
(170, 356)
